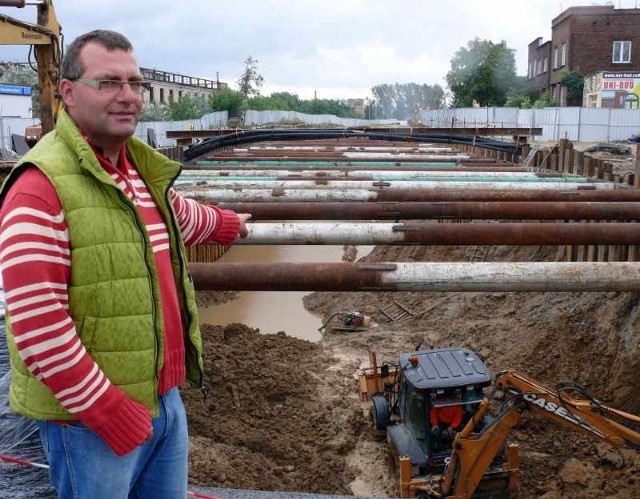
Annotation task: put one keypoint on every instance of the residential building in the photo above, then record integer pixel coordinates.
(168, 87)
(587, 39)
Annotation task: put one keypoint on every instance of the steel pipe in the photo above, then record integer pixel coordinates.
(446, 182)
(512, 276)
(394, 210)
(253, 174)
(502, 191)
(206, 166)
(436, 234)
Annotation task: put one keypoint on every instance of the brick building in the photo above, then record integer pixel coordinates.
(590, 40)
(168, 87)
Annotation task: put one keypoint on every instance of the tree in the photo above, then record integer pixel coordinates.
(154, 112)
(250, 80)
(401, 101)
(232, 101)
(574, 83)
(188, 107)
(482, 71)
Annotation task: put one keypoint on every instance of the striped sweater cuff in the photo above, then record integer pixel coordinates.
(227, 231)
(128, 426)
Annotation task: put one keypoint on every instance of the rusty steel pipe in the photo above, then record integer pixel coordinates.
(394, 210)
(582, 193)
(511, 276)
(504, 191)
(437, 234)
(206, 166)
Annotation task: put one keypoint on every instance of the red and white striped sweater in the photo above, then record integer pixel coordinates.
(35, 262)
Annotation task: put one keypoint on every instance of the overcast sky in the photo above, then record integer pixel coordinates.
(331, 48)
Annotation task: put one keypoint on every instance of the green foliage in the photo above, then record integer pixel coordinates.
(545, 100)
(327, 106)
(154, 112)
(484, 72)
(521, 101)
(232, 101)
(285, 101)
(278, 101)
(250, 80)
(402, 100)
(21, 74)
(574, 82)
(188, 107)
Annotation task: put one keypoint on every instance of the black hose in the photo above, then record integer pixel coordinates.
(249, 136)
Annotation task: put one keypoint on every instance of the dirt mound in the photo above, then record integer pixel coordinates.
(270, 421)
(284, 414)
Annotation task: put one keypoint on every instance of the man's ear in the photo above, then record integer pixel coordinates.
(67, 93)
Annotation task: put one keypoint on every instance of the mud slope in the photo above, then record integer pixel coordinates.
(284, 414)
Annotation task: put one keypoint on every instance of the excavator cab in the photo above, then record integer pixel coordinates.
(451, 378)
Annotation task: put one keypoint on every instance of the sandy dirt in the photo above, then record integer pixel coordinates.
(284, 413)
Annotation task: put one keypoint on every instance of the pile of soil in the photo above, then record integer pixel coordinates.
(285, 414)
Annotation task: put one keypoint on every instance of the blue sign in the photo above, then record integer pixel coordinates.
(5, 88)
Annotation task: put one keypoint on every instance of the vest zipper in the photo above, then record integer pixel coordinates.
(154, 304)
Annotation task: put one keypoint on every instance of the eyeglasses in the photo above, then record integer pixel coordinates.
(115, 86)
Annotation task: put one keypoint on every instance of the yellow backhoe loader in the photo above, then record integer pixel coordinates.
(45, 39)
(476, 460)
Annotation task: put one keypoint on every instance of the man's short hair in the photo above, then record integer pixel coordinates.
(72, 68)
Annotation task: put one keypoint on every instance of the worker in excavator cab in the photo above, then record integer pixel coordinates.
(446, 418)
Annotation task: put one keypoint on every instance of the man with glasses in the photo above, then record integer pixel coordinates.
(102, 323)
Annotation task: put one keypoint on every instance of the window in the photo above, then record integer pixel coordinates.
(563, 57)
(621, 52)
(162, 96)
(531, 69)
(545, 65)
(556, 60)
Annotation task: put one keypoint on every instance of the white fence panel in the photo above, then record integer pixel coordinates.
(575, 123)
(568, 123)
(547, 119)
(506, 117)
(624, 123)
(594, 124)
(209, 121)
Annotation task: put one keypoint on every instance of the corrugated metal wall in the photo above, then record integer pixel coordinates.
(209, 121)
(579, 124)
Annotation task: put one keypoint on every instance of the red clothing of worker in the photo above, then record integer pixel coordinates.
(449, 415)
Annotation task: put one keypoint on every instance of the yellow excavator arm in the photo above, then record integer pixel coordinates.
(45, 36)
(474, 450)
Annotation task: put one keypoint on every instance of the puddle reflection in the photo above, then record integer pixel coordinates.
(274, 311)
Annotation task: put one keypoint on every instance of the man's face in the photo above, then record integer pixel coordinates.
(106, 116)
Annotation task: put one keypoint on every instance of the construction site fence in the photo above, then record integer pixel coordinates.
(260, 118)
(580, 124)
(154, 133)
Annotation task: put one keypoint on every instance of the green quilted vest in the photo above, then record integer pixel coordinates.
(114, 294)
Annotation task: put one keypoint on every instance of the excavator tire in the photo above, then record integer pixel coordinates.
(380, 416)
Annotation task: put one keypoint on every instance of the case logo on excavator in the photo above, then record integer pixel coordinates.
(560, 411)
